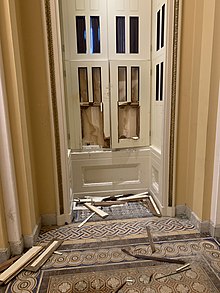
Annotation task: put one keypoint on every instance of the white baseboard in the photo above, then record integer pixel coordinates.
(202, 226)
(4, 254)
(214, 230)
(29, 240)
(17, 247)
(48, 220)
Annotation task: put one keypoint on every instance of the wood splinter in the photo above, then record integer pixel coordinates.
(155, 258)
(123, 284)
(174, 273)
(152, 245)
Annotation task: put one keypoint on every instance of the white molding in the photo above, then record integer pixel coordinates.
(215, 203)
(7, 168)
(214, 230)
(59, 88)
(165, 152)
(57, 55)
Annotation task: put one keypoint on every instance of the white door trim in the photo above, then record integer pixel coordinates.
(55, 75)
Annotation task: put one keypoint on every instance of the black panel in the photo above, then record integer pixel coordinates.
(157, 82)
(162, 26)
(94, 35)
(161, 81)
(158, 31)
(134, 35)
(120, 34)
(81, 34)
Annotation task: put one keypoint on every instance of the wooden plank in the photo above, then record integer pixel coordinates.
(99, 212)
(152, 245)
(155, 206)
(86, 220)
(7, 263)
(122, 196)
(38, 262)
(20, 263)
(118, 202)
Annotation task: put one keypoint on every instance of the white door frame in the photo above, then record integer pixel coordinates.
(50, 15)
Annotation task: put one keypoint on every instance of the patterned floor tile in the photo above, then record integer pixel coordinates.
(118, 229)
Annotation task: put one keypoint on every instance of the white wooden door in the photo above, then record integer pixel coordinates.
(106, 41)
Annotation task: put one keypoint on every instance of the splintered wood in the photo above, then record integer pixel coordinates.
(128, 122)
(154, 258)
(92, 126)
(8, 263)
(152, 245)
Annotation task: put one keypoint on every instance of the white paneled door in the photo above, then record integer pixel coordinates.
(107, 63)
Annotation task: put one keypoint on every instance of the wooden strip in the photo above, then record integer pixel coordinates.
(99, 212)
(33, 267)
(183, 267)
(7, 263)
(155, 258)
(155, 206)
(86, 220)
(123, 196)
(152, 245)
(174, 273)
(20, 263)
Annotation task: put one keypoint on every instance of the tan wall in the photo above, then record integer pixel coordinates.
(36, 94)
(27, 93)
(195, 143)
(213, 104)
(3, 231)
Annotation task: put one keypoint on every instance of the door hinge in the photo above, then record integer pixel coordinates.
(64, 73)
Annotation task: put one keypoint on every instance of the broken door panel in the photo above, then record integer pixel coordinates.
(128, 122)
(134, 84)
(88, 103)
(92, 126)
(96, 84)
(122, 83)
(130, 115)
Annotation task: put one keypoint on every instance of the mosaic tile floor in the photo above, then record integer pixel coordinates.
(125, 211)
(92, 259)
(117, 230)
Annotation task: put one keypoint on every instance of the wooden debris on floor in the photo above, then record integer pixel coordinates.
(152, 245)
(20, 264)
(8, 263)
(130, 281)
(98, 211)
(86, 220)
(42, 258)
(154, 258)
(174, 273)
(93, 203)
